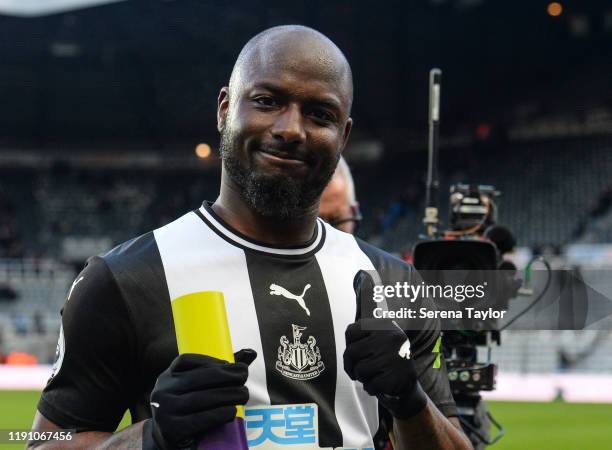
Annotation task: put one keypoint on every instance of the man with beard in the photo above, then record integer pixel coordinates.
(289, 282)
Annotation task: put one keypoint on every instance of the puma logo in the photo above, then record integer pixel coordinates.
(73, 286)
(275, 289)
(404, 351)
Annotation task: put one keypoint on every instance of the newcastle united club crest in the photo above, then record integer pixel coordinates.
(299, 360)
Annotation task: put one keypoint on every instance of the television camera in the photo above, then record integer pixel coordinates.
(473, 243)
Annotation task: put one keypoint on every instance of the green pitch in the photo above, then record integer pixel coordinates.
(17, 410)
(554, 426)
(529, 426)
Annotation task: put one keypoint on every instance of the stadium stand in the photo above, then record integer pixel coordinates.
(10, 242)
(555, 351)
(66, 214)
(540, 184)
(547, 188)
(597, 227)
(30, 322)
(51, 205)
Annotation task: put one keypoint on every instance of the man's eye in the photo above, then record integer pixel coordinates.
(322, 114)
(265, 101)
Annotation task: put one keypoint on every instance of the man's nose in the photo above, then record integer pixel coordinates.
(289, 127)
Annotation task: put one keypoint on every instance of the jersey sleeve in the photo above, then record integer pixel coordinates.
(429, 360)
(92, 378)
(424, 334)
(431, 367)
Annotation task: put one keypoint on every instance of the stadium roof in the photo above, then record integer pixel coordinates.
(33, 8)
(147, 72)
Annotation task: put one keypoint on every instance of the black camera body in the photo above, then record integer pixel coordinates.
(473, 245)
(472, 205)
(466, 374)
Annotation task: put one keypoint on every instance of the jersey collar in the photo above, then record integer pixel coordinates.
(238, 239)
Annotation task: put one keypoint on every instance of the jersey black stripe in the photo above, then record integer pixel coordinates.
(277, 315)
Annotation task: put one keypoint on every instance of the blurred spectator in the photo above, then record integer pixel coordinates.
(10, 244)
(602, 206)
(38, 322)
(7, 293)
(20, 324)
(603, 203)
(402, 205)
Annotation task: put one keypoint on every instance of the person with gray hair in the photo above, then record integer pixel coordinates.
(339, 206)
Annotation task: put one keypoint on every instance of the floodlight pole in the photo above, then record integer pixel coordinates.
(433, 183)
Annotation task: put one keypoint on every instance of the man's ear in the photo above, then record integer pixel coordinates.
(222, 107)
(347, 132)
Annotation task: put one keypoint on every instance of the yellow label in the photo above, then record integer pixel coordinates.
(201, 326)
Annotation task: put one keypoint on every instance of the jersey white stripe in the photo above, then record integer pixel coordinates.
(278, 251)
(340, 259)
(196, 259)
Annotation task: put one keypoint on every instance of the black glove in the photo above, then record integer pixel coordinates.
(373, 358)
(195, 394)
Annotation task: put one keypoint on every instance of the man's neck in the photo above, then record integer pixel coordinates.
(233, 209)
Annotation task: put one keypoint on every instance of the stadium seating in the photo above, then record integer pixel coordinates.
(31, 322)
(551, 196)
(547, 190)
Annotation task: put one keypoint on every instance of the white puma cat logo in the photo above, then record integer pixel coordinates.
(73, 286)
(404, 351)
(275, 289)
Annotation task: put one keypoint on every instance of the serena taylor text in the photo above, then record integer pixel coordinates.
(424, 313)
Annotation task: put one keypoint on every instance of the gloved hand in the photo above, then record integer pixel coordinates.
(373, 357)
(195, 394)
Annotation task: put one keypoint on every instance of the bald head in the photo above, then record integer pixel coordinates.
(294, 48)
(284, 121)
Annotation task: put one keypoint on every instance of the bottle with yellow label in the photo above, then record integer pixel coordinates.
(201, 327)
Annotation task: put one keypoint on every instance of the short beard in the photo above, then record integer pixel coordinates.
(275, 196)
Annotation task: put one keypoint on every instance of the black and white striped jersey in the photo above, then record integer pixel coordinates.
(118, 333)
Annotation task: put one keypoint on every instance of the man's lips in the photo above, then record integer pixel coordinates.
(281, 158)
